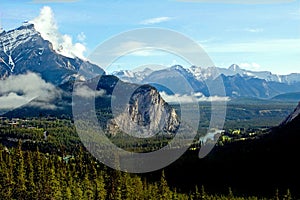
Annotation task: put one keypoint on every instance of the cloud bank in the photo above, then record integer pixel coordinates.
(45, 24)
(85, 92)
(16, 91)
(178, 98)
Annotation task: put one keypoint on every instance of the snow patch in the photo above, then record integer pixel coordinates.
(11, 63)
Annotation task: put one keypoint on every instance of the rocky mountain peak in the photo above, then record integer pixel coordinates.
(146, 114)
(24, 49)
(234, 67)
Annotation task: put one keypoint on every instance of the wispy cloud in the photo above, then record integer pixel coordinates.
(18, 90)
(191, 98)
(239, 1)
(250, 66)
(254, 30)
(250, 30)
(156, 20)
(85, 92)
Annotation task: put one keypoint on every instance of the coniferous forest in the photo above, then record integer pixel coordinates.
(57, 166)
(28, 174)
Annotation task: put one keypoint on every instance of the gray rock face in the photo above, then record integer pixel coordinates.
(292, 116)
(145, 115)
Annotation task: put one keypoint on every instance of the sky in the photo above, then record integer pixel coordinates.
(256, 36)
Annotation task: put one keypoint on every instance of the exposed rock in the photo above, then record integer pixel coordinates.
(145, 115)
(292, 116)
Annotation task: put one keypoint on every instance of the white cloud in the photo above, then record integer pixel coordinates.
(86, 92)
(156, 20)
(46, 25)
(177, 98)
(250, 66)
(254, 30)
(16, 91)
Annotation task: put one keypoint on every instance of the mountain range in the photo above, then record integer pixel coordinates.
(24, 52)
(237, 82)
(32, 70)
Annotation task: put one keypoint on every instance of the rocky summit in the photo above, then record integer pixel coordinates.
(24, 50)
(145, 115)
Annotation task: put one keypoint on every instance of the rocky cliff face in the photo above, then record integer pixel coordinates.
(293, 116)
(145, 115)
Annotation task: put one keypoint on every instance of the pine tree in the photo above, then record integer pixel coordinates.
(3, 172)
(153, 192)
(73, 180)
(8, 184)
(138, 188)
(55, 186)
(87, 188)
(288, 195)
(127, 187)
(67, 193)
(39, 176)
(67, 181)
(100, 191)
(164, 190)
(52, 188)
(175, 195)
(114, 187)
(197, 194)
(19, 174)
(230, 193)
(203, 193)
(276, 197)
(30, 185)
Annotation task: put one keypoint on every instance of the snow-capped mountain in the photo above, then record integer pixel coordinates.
(133, 76)
(212, 72)
(24, 49)
(237, 81)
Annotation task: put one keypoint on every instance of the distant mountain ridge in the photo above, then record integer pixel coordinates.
(295, 96)
(237, 82)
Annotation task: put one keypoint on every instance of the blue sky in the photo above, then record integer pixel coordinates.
(255, 36)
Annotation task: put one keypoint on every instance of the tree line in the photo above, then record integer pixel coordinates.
(26, 174)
